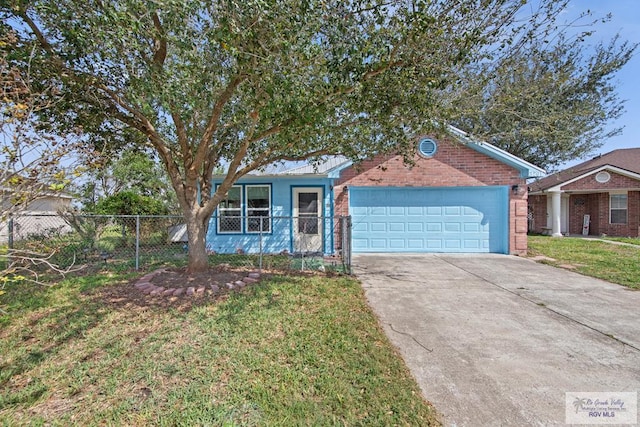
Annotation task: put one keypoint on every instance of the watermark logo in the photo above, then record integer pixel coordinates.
(601, 408)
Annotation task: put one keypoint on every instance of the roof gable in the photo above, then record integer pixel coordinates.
(527, 170)
(331, 166)
(624, 161)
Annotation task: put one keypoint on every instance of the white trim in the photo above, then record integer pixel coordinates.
(533, 171)
(247, 209)
(307, 242)
(222, 209)
(626, 208)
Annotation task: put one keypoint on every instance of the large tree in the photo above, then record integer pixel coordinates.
(241, 84)
(550, 100)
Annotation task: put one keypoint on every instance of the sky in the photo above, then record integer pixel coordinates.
(625, 20)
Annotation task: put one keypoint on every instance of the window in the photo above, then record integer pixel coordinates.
(258, 208)
(251, 203)
(618, 208)
(230, 212)
(308, 213)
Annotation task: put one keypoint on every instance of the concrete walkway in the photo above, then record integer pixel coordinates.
(496, 340)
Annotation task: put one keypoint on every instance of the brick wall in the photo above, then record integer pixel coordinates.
(581, 205)
(453, 165)
(538, 210)
(600, 223)
(596, 205)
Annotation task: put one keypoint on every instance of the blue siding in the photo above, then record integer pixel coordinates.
(280, 238)
(455, 219)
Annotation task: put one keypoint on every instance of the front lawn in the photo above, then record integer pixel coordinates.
(614, 263)
(291, 350)
(630, 240)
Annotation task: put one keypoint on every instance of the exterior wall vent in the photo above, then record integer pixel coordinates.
(427, 147)
(603, 177)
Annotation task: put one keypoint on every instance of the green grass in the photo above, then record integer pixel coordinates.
(614, 263)
(292, 350)
(630, 240)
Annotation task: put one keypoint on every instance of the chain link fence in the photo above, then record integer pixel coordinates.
(135, 242)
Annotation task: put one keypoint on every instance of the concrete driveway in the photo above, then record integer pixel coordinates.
(496, 340)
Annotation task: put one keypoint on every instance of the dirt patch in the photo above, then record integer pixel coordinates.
(178, 277)
(195, 289)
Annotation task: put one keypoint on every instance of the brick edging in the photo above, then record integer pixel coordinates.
(144, 285)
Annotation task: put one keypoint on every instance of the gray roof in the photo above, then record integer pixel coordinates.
(623, 158)
(321, 167)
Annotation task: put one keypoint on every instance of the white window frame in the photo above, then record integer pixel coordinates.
(222, 210)
(248, 210)
(617, 208)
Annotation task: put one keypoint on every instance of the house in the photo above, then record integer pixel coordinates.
(39, 217)
(599, 196)
(460, 195)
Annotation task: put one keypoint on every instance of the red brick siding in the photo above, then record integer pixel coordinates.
(617, 182)
(581, 205)
(600, 223)
(596, 205)
(538, 210)
(453, 165)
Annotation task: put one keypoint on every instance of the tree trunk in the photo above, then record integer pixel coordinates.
(196, 232)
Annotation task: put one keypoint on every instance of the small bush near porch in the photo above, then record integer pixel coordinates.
(602, 259)
(291, 350)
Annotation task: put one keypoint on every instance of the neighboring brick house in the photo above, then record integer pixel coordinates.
(596, 197)
(459, 196)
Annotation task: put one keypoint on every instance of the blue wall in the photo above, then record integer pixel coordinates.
(280, 238)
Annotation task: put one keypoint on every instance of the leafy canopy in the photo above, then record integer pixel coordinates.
(551, 100)
(242, 84)
(246, 83)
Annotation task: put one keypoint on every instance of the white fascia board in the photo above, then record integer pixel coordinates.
(527, 170)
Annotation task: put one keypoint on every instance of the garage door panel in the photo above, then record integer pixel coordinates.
(452, 227)
(397, 210)
(379, 243)
(360, 227)
(452, 210)
(434, 226)
(472, 219)
(396, 227)
(452, 244)
(359, 210)
(415, 243)
(415, 227)
(469, 211)
(471, 227)
(434, 244)
(397, 243)
(472, 244)
(376, 227)
(434, 210)
(415, 210)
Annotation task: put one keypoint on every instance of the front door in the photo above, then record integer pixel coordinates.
(307, 220)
